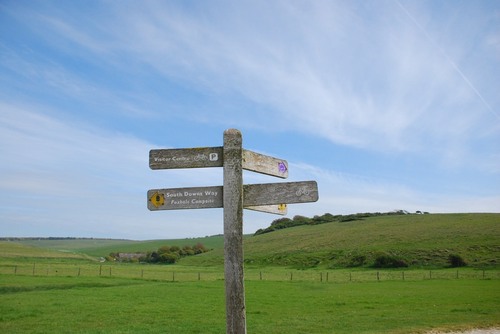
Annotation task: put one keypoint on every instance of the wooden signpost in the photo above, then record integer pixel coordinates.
(233, 196)
(185, 158)
(185, 198)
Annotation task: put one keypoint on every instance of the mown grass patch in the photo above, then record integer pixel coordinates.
(116, 305)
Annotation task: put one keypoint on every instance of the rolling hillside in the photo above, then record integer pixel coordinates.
(416, 240)
(102, 247)
(25, 252)
(419, 240)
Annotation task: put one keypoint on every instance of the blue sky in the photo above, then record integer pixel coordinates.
(386, 104)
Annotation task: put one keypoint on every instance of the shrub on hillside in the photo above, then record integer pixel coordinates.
(299, 220)
(168, 258)
(456, 260)
(326, 218)
(389, 261)
(357, 261)
(164, 254)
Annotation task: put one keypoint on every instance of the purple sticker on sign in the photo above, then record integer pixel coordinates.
(282, 167)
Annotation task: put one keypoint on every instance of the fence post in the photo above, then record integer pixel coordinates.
(100, 270)
(33, 269)
(378, 276)
(403, 275)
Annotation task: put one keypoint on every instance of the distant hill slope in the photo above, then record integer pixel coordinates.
(102, 247)
(15, 250)
(417, 240)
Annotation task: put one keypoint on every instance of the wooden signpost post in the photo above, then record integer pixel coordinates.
(233, 196)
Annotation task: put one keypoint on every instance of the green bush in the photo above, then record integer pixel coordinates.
(170, 255)
(357, 261)
(168, 258)
(389, 261)
(456, 260)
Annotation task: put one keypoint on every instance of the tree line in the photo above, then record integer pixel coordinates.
(298, 220)
(164, 254)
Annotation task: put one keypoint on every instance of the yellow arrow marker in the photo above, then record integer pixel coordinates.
(157, 199)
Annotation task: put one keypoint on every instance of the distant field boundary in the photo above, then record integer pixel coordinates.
(167, 273)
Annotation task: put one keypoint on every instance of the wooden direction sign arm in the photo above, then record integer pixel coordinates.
(185, 198)
(277, 209)
(267, 197)
(279, 193)
(198, 157)
(265, 164)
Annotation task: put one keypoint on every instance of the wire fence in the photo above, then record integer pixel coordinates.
(168, 273)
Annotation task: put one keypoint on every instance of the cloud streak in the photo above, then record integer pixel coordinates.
(394, 104)
(400, 92)
(396, 97)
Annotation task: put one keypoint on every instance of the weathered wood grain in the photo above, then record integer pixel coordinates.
(233, 233)
(279, 193)
(265, 164)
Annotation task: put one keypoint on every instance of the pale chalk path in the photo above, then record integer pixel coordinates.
(472, 331)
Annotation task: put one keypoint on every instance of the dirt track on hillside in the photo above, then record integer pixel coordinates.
(472, 331)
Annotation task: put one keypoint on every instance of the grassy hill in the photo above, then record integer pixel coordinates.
(416, 240)
(24, 252)
(419, 240)
(102, 247)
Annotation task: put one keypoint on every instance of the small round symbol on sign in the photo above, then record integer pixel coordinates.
(157, 199)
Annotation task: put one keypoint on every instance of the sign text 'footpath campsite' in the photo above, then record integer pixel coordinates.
(233, 197)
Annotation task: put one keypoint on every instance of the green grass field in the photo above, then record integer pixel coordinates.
(118, 305)
(297, 280)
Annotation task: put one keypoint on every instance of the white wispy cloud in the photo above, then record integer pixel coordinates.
(389, 77)
(304, 62)
(397, 96)
(63, 178)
